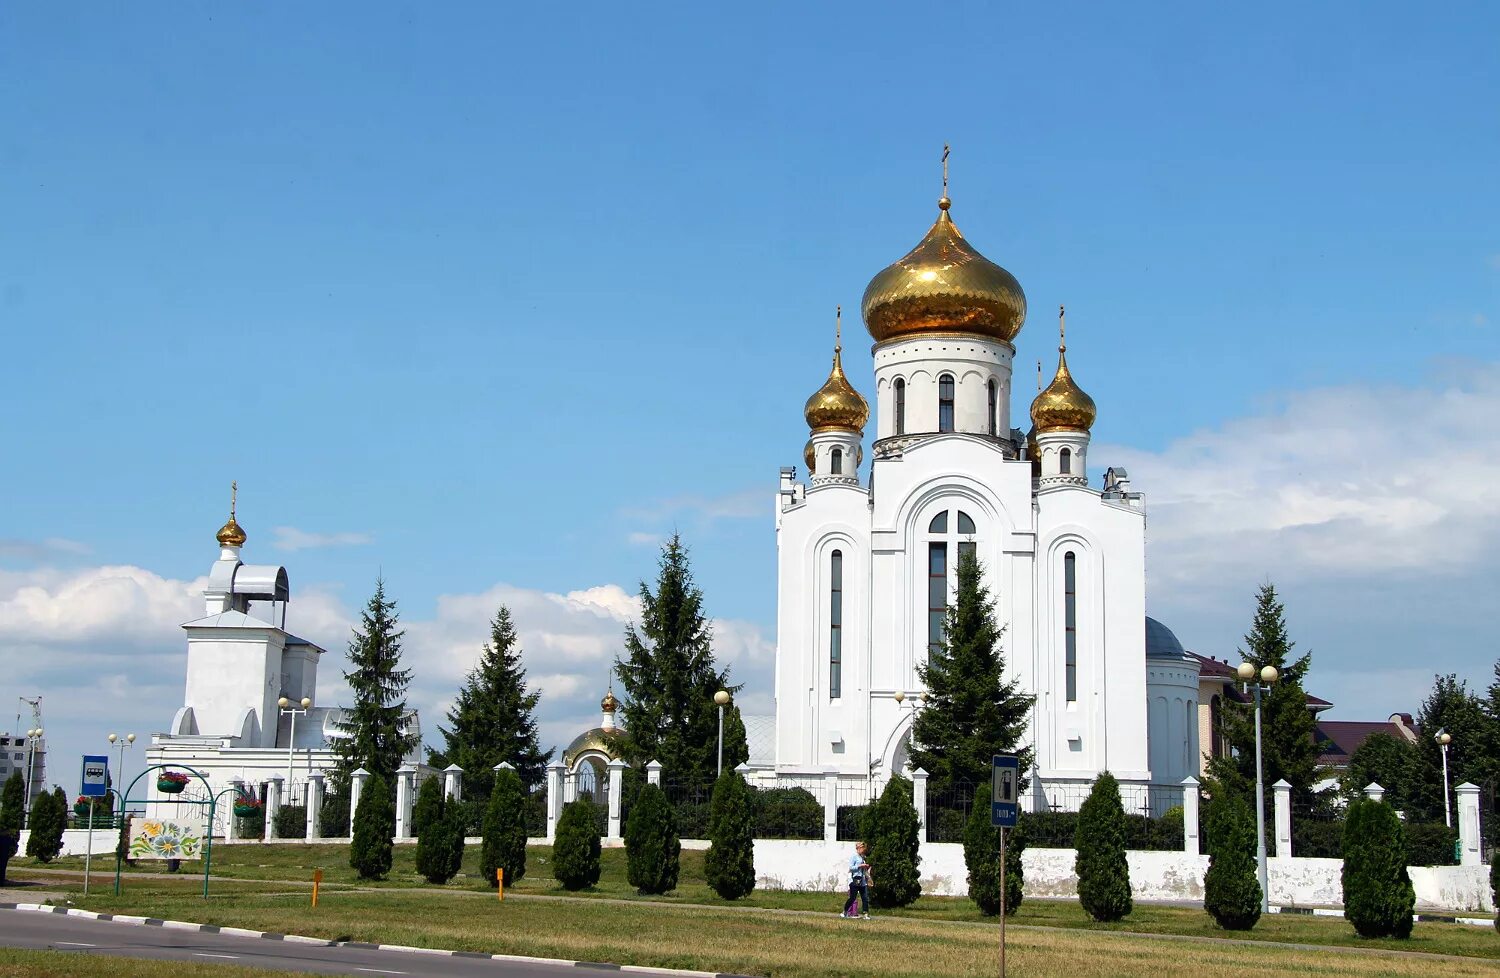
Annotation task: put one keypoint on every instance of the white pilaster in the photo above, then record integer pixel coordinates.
(1283, 817)
(357, 781)
(314, 803)
(1468, 824)
(1190, 797)
(830, 806)
(1374, 791)
(653, 773)
(405, 783)
(616, 785)
(919, 799)
(555, 773)
(453, 783)
(273, 805)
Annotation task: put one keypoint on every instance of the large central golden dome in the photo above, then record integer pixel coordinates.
(944, 285)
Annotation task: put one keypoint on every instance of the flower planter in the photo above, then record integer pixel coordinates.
(246, 811)
(170, 787)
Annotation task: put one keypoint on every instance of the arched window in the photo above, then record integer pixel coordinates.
(1065, 461)
(994, 407)
(1070, 624)
(837, 460)
(945, 402)
(937, 593)
(900, 406)
(939, 523)
(965, 524)
(836, 625)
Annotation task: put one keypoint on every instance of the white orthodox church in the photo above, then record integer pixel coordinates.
(867, 553)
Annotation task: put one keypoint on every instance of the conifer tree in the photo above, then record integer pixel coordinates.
(736, 742)
(982, 858)
(973, 710)
(1231, 888)
(504, 830)
(428, 821)
(1451, 707)
(1393, 763)
(440, 852)
(1103, 872)
(653, 850)
(893, 834)
(49, 819)
(374, 830)
(374, 734)
(670, 677)
(493, 718)
(12, 815)
(575, 850)
(429, 805)
(1378, 894)
(729, 863)
(1289, 748)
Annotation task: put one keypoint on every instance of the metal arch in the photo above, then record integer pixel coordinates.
(209, 839)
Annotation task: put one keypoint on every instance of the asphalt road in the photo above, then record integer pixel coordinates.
(28, 929)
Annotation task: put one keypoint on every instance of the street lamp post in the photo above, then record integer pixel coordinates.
(1268, 675)
(290, 707)
(1444, 738)
(32, 736)
(122, 742)
(721, 698)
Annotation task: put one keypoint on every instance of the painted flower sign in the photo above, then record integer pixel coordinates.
(160, 838)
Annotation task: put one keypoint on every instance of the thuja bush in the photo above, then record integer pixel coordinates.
(504, 830)
(893, 833)
(1378, 895)
(429, 807)
(575, 851)
(12, 813)
(374, 828)
(49, 817)
(653, 850)
(1231, 889)
(982, 857)
(729, 863)
(1103, 873)
(440, 850)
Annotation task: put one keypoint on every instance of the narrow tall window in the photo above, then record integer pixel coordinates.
(836, 626)
(1070, 623)
(994, 407)
(945, 402)
(965, 529)
(1065, 462)
(837, 458)
(900, 406)
(937, 594)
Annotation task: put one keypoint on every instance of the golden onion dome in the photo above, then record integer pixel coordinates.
(944, 285)
(1063, 405)
(231, 534)
(837, 405)
(810, 456)
(609, 704)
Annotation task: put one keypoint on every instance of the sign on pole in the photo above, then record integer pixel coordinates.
(95, 776)
(1005, 807)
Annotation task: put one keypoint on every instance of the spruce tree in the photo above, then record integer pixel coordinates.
(653, 850)
(493, 718)
(1231, 888)
(575, 850)
(12, 816)
(893, 834)
(504, 830)
(1378, 894)
(429, 805)
(736, 742)
(670, 677)
(374, 828)
(729, 863)
(1451, 707)
(973, 710)
(373, 726)
(49, 819)
(1102, 869)
(1289, 748)
(982, 858)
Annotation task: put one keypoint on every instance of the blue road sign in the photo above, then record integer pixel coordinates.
(95, 776)
(1005, 807)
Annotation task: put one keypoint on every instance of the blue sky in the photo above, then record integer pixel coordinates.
(478, 296)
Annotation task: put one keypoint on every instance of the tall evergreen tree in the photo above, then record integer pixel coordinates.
(973, 710)
(653, 850)
(429, 805)
(1103, 871)
(374, 829)
(1451, 707)
(893, 833)
(1289, 748)
(670, 677)
(373, 726)
(504, 830)
(1231, 887)
(493, 718)
(12, 815)
(982, 859)
(729, 864)
(1378, 894)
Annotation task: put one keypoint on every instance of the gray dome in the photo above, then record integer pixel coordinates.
(1160, 642)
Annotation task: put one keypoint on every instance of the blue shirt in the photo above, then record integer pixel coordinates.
(856, 872)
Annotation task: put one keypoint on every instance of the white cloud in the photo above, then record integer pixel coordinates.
(702, 510)
(290, 538)
(638, 539)
(34, 550)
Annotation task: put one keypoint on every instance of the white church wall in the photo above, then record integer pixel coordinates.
(1172, 710)
(972, 361)
(229, 671)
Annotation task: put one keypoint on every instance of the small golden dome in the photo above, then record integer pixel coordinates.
(809, 456)
(231, 534)
(837, 405)
(1063, 406)
(609, 704)
(1033, 452)
(944, 285)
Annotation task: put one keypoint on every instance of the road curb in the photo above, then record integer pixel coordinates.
(321, 942)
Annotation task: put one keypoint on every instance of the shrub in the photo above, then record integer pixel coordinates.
(850, 822)
(12, 813)
(575, 851)
(693, 819)
(429, 807)
(653, 850)
(1103, 873)
(1428, 845)
(787, 813)
(982, 857)
(333, 817)
(729, 863)
(374, 826)
(949, 824)
(504, 831)
(1050, 830)
(894, 836)
(440, 850)
(1378, 895)
(291, 822)
(1231, 889)
(49, 817)
(1317, 838)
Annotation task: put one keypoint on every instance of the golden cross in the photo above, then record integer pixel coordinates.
(1062, 330)
(234, 492)
(945, 169)
(838, 328)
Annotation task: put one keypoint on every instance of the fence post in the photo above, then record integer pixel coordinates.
(1190, 796)
(653, 773)
(1283, 817)
(273, 804)
(406, 777)
(919, 799)
(1468, 824)
(1374, 791)
(616, 785)
(554, 797)
(453, 783)
(314, 803)
(830, 806)
(356, 788)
